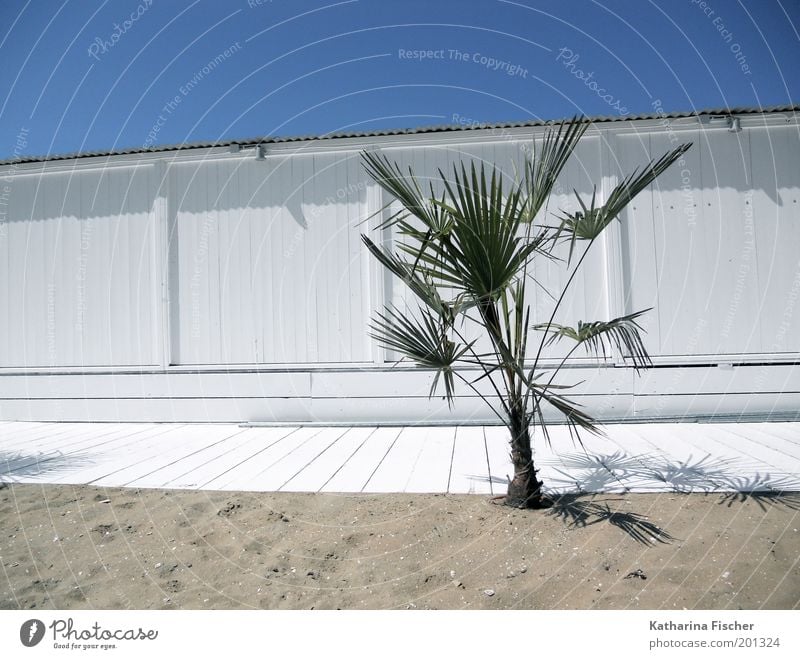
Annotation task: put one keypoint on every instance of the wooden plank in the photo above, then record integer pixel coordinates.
(727, 468)
(322, 469)
(190, 441)
(233, 453)
(75, 464)
(252, 468)
(500, 467)
(469, 473)
(26, 433)
(788, 432)
(60, 434)
(131, 450)
(355, 473)
(767, 458)
(644, 465)
(431, 471)
(592, 467)
(188, 464)
(394, 472)
(763, 434)
(275, 476)
(682, 466)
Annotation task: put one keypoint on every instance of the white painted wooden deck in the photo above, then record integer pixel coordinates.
(699, 457)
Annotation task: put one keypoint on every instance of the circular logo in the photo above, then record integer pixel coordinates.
(31, 632)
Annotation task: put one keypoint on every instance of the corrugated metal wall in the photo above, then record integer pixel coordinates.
(713, 245)
(76, 270)
(226, 288)
(271, 266)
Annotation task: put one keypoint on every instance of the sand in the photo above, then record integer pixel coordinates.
(78, 547)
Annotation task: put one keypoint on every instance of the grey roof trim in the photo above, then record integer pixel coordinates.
(389, 132)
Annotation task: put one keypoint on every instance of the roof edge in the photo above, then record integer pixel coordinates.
(444, 128)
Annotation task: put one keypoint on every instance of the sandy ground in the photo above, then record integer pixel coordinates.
(80, 547)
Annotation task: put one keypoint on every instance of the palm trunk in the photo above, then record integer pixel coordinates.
(525, 489)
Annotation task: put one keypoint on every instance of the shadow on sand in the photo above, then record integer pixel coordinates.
(577, 480)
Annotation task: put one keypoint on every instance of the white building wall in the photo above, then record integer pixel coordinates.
(207, 285)
(77, 257)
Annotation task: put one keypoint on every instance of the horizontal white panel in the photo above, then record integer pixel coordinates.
(719, 380)
(690, 405)
(405, 382)
(158, 385)
(228, 410)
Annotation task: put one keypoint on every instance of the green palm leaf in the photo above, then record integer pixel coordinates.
(423, 340)
(600, 336)
(589, 222)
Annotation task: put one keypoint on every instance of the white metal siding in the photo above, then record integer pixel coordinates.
(271, 266)
(224, 288)
(76, 275)
(709, 245)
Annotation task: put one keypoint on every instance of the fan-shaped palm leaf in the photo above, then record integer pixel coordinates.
(589, 222)
(600, 336)
(424, 340)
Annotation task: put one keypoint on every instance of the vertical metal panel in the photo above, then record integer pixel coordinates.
(731, 285)
(78, 267)
(271, 272)
(775, 156)
(702, 243)
(637, 231)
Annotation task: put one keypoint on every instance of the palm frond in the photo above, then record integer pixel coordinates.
(590, 221)
(407, 191)
(576, 418)
(424, 340)
(484, 241)
(544, 166)
(599, 337)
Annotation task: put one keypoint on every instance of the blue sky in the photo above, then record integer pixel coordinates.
(81, 76)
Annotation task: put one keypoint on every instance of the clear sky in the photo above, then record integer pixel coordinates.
(80, 76)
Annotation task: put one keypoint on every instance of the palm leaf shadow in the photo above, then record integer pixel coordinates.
(576, 511)
(18, 467)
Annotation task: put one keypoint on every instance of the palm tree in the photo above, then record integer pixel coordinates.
(467, 256)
